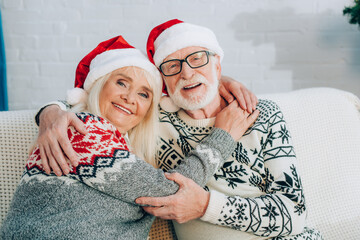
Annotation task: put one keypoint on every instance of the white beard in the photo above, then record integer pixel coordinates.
(198, 100)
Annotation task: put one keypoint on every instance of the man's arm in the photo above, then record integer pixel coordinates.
(53, 142)
(55, 148)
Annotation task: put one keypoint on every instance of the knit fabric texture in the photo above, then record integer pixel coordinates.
(258, 190)
(96, 199)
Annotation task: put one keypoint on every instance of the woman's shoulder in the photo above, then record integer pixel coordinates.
(91, 119)
(86, 117)
(98, 125)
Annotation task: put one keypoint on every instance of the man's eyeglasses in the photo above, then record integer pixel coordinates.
(194, 60)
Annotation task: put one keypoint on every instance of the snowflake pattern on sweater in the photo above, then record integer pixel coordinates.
(258, 189)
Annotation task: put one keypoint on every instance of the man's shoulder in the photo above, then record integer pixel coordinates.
(168, 117)
(268, 109)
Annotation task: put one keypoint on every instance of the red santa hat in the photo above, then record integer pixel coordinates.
(172, 36)
(108, 56)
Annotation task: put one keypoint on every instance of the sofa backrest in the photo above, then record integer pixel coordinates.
(325, 127)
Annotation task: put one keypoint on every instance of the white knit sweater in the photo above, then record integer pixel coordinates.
(257, 192)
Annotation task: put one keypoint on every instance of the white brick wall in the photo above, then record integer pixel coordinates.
(271, 46)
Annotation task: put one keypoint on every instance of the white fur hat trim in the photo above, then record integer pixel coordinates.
(184, 35)
(168, 105)
(107, 62)
(111, 60)
(76, 95)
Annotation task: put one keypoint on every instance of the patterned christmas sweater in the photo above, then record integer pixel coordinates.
(257, 191)
(96, 199)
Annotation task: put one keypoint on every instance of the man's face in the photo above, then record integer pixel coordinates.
(193, 88)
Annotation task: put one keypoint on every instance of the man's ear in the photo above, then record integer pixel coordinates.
(218, 66)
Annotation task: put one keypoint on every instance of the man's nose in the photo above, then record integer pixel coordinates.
(187, 72)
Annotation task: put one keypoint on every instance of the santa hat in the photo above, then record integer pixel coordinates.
(108, 56)
(174, 35)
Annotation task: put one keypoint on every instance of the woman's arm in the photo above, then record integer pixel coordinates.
(231, 90)
(107, 165)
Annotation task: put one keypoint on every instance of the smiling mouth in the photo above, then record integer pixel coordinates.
(124, 109)
(192, 86)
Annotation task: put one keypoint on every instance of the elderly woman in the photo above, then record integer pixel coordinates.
(116, 96)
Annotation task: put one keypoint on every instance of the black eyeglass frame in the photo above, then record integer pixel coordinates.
(208, 53)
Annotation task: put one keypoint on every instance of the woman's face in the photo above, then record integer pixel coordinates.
(125, 98)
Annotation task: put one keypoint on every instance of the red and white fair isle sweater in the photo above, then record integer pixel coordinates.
(96, 199)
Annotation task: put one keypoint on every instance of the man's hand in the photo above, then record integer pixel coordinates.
(53, 140)
(190, 202)
(229, 88)
(235, 120)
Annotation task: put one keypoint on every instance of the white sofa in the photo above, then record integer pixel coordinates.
(324, 124)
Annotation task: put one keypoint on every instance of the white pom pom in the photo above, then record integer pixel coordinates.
(168, 105)
(76, 95)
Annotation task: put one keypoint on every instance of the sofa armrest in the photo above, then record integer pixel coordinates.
(17, 132)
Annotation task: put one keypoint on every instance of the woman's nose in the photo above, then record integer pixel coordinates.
(129, 97)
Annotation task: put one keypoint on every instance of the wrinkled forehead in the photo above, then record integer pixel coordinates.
(184, 52)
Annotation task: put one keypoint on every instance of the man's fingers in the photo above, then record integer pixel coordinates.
(69, 151)
(151, 210)
(77, 124)
(53, 164)
(153, 201)
(58, 154)
(176, 177)
(162, 212)
(44, 160)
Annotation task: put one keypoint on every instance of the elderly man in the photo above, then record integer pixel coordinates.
(257, 193)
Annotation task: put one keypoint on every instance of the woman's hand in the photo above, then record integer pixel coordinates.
(53, 140)
(229, 88)
(235, 120)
